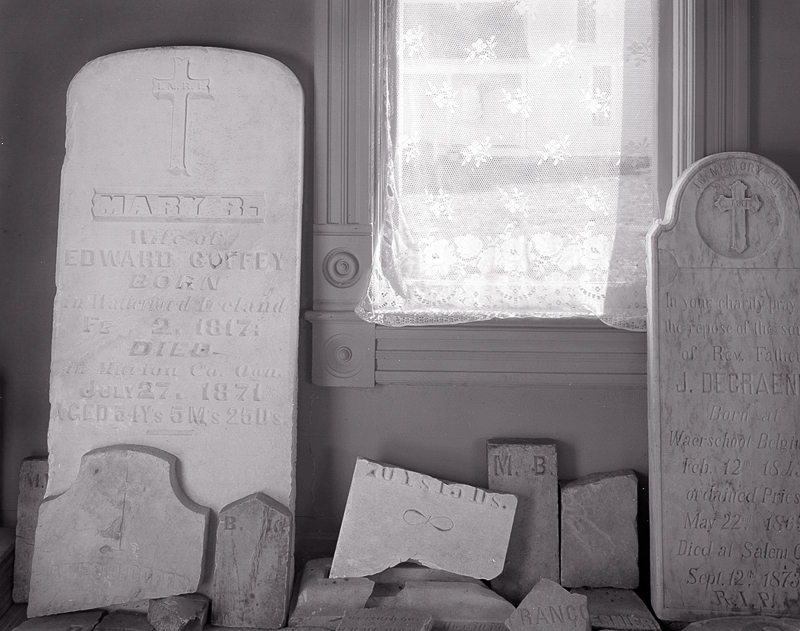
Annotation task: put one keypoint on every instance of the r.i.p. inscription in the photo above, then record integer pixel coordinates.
(177, 273)
(724, 335)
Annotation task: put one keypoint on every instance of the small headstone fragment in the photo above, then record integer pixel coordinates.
(394, 515)
(32, 483)
(188, 612)
(454, 606)
(124, 621)
(75, 621)
(550, 607)
(618, 609)
(126, 517)
(253, 569)
(321, 601)
(7, 539)
(528, 468)
(599, 544)
(746, 623)
(379, 619)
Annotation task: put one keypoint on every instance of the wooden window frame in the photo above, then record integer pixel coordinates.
(704, 52)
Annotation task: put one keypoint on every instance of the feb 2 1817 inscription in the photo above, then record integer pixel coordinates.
(177, 280)
(724, 342)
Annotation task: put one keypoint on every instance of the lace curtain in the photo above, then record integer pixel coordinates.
(519, 170)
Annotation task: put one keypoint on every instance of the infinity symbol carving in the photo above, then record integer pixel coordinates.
(414, 518)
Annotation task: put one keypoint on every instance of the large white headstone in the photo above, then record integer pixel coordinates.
(724, 344)
(176, 313)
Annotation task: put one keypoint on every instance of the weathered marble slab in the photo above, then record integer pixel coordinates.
(746, 623)
(379, 619)
(528, 469)
(394, 515)
(123, 531)
(77, 621)
(550, 607)
(320, 601)
(254, 556)
(619, 609)
(455, 606)
(187, 612)
(724, 385)
(176, 312)
(32, 483)
(599, 541)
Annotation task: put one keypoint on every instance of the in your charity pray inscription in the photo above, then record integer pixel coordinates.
(725, 393)
(178, 269)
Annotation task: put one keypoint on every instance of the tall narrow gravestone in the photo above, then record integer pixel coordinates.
(724, 341)
(176, 313)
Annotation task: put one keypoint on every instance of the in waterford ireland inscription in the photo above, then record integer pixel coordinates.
(177, 280)
(725, 392)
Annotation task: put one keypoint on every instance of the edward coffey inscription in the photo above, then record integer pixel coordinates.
(725, 344)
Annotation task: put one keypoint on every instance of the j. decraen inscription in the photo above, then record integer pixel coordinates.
(727, 358)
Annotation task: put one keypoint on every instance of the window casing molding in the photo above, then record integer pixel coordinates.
(704, 78)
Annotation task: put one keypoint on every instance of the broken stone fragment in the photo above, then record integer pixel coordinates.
(599, 544)
(618, 609)
(455, 606)
(550, 607)
(320, 601)
(188, 612)
(395, 515)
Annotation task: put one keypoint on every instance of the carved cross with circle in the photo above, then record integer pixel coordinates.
(178, 89)
(738, 205)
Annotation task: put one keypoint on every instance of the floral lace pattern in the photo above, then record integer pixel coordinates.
(513, 187)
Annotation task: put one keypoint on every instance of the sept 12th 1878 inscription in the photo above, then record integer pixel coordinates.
(725, 393)
(178, 283)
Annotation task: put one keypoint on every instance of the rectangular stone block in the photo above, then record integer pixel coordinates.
(724, 389)
(379, 619)
(77, 621)
(122, 621)
(619, 609)
(123, 531)
(599, 541)
(391, 581)
(32, 483)
(394, 515)
(176, 310)
(254, 555)
(528, 468)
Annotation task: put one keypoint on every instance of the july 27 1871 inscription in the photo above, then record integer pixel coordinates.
(178, 276)
(724, 334)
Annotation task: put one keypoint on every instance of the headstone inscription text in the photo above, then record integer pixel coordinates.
(178, 269)
(725, 392)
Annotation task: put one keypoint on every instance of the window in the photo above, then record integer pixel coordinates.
(710, 60)
(519, 173)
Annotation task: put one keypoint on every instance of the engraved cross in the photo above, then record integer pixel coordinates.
(178, 89)
(738, 205)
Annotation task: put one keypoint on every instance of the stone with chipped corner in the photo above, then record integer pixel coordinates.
(178, 269)
(75, 621)
(379, 619)
(455, 606)
(394, 515)
(528, 468)
(550, 607)
(131, 531)
(32, 483)
(599, 543)
(619, 609)
(320, 601)
(187, 612)
(254, 556)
